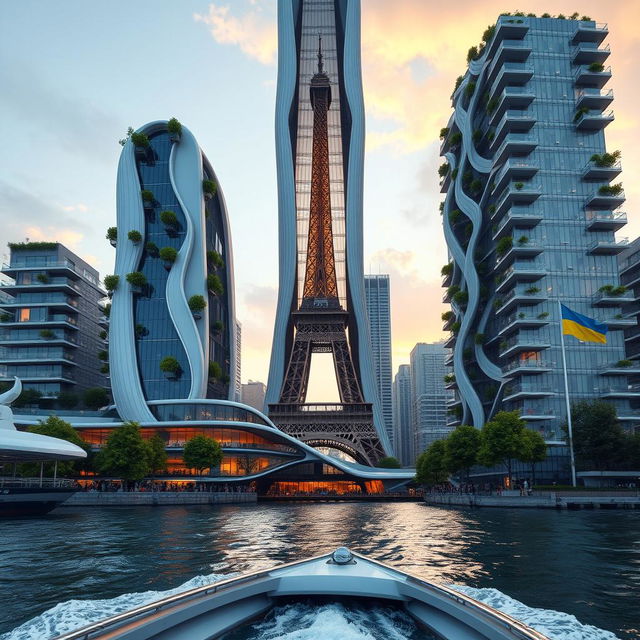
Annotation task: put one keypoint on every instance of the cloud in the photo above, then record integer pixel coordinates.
(253, 32)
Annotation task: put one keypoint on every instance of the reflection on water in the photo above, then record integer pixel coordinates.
(585, 563)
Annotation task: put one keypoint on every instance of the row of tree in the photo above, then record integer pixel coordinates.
(500, 441)
(126, 454)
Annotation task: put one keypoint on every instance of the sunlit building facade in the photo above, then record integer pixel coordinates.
(530, 215)
(403, 432)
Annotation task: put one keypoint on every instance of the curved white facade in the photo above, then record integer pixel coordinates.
(174, 171)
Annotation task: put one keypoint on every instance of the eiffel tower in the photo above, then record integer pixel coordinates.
(321, 322)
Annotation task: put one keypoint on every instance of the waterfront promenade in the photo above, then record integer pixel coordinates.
(540, 499)
(157, 498)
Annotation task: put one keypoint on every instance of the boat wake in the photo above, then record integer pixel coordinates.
(307, 622)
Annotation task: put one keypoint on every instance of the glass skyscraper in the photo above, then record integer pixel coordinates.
(403, 433)
(530, 216)
(172, 329)
(377, 292)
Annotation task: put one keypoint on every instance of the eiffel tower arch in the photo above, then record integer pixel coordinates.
(319, 142)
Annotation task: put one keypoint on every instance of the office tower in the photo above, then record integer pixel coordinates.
(253, 394)
(238, 378)
(529, 217)
(429, 398)
(321, 301)
(403, 434)
(51, 332)
(377, 294)
(172, 325)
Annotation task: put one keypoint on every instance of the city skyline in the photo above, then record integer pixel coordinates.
(416, 49)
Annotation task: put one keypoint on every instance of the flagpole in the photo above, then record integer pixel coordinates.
(566, 397)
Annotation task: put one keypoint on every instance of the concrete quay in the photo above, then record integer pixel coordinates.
(541, 500)
(155, 498)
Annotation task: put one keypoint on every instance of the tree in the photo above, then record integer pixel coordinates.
(598, 438)
(156, 454)
(68, 400)
(461, 449)
(202, 452)
(125, 454)
(248, 465)
(500, 440)
(27, 397)
(534, 449)
(95, 397)
(389, 462)
(430, 466)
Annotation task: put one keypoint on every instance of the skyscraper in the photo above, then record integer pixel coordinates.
(403, 433)
(321, 301)
(377, 293)
(253, 394)
(530, 218)
(172, 325)
(51, 333)
(429, 398)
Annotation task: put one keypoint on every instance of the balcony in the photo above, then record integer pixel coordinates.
(511, 73)
(609, 299)
(516, 193)
(594, 172)
(594, 120)
(605, 200)
(613, 369)
(522, 391)
(518, 321)
(518, 343)
(520, 272)
(618, 324)
(515, 144)
(508, 51)
(513, 121)
(445, 182)
(514, 169)
(588, 52)
(54, 284)
(511, 98)
(451, 340)
(594, 99)
(520, 367)
(608, 247)
(520, 217)
(617, 392)
(583, 76)
(518, 298)
(605, 220)
(590, 32)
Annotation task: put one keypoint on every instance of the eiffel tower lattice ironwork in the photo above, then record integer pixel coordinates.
(321, 321)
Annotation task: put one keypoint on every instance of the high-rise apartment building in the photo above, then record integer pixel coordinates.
(377, 294)
(321, 301)
(403, 433)
(429, 397)
(238, 380)
(530, 217)
(172, 329)
(51, 322)
(253, 394)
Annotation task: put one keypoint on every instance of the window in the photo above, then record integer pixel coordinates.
(24, 315)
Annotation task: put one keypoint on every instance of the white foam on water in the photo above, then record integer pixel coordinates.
(556, 625)
(74, 614)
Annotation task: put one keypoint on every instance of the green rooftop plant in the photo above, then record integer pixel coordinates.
(443, 169)
(152, 248)
(619, 290)
(215, 259)
(461, 298)
(43, 278)
(168, 254)
(136, 279)
(469, 89)
(452, 290)
(32, 246)
(479, 338)
(447, 269)
(532, 290)
(140, 140)
(454, 216)
(561, 16)
(491, 208)
(472, 54)
(209, 187)
(492, 105)
(174, 126)
(106, 309)
(624, 364)
(214, 284)
(585, 19)
(112, 234)
(169, 364)
(455, 327)
(606, 288)
(444, 132)
(503, 245)
(218, 325)
(103, 355)
(102, 335)
(147, 196)
(449, 377)
(447, 315)
(477, 135)
(197, 303)
(459, 80)
(519, 185)
(545, 15)
(169, 218)
(580, 112)
(488, 34)
(135, 236)
(543, 315)
(111, 282)
(476, 186)
(104, 368)
(522, 240)
(141, 331)
(456, 138)
(47, 334)
(454, 175)
(596, 67)
(605, 159)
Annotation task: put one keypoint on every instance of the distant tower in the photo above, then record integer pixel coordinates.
(377, 292)
(403, 434)
(321, 302)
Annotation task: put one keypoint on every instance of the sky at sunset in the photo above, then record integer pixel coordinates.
(76, 74)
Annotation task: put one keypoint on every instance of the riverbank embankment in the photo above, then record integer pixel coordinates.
(156, 498)
(541, 500)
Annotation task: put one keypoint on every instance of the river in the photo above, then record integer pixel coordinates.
(584, 563)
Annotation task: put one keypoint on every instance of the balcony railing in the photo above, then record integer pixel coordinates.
(520, 272)
(520, 343)
(527, 366)
(515, 143)
(605, 220)
(594, 99)
(605, 200)
(526, 193)
(594, 120)
(521, 217)
(511, 73)
(592, 171)
(584, 76)
(608, 247)
(608, 299)
(590, 32)
(588, 52)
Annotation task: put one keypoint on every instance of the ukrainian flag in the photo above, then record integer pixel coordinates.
(581, 327)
